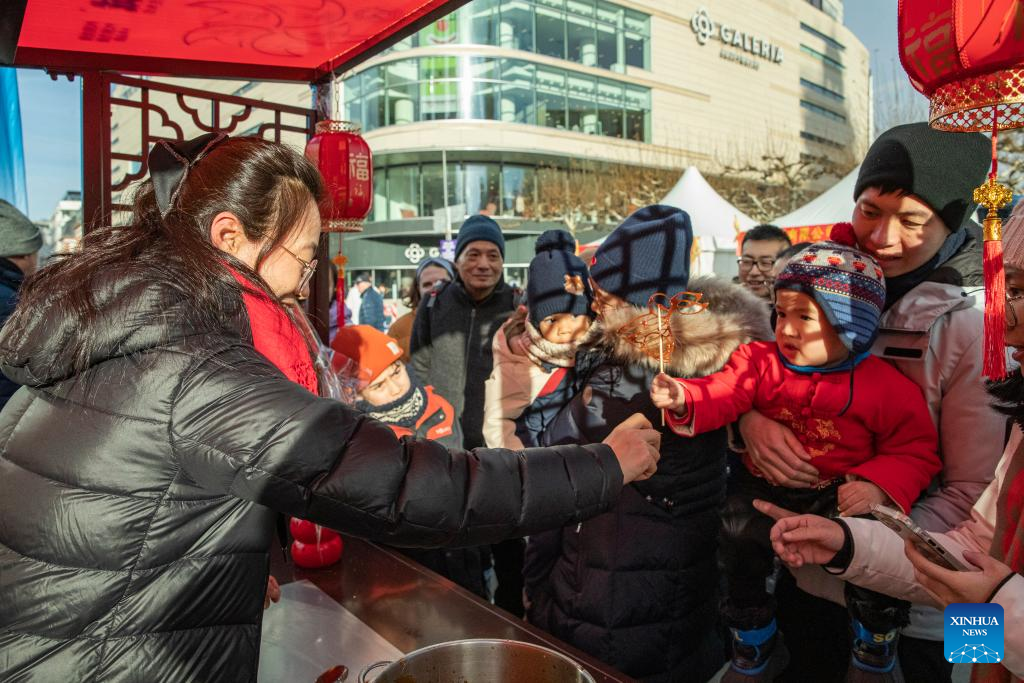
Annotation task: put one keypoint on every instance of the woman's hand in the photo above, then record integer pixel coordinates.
(947, 586)
(273, 593)
(776, 452)
(802, 539)
(637, 447)
(668, 394)
(857, 497)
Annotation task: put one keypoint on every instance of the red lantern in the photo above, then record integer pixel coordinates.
(967, 57)
(346, 165)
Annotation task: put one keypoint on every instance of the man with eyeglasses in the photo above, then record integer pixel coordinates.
(762, 244)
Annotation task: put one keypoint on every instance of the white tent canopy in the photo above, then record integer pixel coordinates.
(715, 221)
(834, 205)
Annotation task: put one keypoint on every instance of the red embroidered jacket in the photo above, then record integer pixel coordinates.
(886, 435)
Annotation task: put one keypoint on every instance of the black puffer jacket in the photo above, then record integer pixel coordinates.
(451, 349)
(636, 587)
(137, 499)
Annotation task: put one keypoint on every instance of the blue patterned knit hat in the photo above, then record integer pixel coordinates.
(846, 283)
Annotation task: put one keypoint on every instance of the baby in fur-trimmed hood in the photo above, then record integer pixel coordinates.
(535, 351)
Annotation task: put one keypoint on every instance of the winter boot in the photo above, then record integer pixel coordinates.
(873, 655)
(758, 652)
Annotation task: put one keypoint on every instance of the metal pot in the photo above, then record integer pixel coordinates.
(480, 661)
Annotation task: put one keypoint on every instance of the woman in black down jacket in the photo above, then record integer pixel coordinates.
(636, 586)
(167, 416)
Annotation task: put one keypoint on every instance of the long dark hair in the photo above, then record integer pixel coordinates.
(1008, 396)
(267, 185)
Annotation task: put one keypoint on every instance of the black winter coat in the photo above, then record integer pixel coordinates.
(137, 500)
(451, 349)
(636, 586)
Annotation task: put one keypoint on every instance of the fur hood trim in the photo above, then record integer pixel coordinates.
(703, 341)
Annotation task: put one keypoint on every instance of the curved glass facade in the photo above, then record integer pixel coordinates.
(589, 32)
(496, 89)
(417, 190)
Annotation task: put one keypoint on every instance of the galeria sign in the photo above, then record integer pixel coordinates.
(704, 28)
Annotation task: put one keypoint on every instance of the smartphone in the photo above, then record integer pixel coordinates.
(922, 540)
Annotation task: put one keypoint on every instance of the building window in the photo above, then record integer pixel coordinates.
(508, 90)
(593, 33)
(820, 140)
(829, 40)
(811, 106)
(417, 190)
(821, 90)
(823, 57)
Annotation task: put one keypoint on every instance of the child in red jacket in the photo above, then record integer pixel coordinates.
(865, 425)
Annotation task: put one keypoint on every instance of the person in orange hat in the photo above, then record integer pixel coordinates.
(386, 390)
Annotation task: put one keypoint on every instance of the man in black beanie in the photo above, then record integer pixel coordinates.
(913, 213)
(20, 241)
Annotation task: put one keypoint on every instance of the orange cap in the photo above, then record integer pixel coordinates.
(370, 351)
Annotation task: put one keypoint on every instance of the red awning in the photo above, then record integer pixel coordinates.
(297, 40)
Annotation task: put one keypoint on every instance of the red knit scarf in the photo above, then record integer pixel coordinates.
(276, 337)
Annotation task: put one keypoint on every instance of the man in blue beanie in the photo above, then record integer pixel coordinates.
(636, 586)
(452, 338)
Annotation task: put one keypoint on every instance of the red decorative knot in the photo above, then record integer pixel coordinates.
(809, 258)
(860, 266)
(835, 260)
(878, 272)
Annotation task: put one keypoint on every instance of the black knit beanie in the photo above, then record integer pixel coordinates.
(647, 254)
(559, 281)
(940, 168)
(479, 228)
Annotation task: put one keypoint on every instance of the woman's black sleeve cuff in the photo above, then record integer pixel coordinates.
(841, 561)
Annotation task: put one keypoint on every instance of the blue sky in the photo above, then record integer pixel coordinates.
(52, 123)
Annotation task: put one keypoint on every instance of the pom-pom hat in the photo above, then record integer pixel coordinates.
(847, 284)
(559, 281)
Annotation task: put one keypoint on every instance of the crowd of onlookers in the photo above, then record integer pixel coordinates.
(827, 378)
(782, 410)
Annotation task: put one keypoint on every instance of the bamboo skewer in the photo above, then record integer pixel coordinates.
(661, 355)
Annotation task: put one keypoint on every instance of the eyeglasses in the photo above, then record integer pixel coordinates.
(1011, 310)
(764, 264)
(308, 268)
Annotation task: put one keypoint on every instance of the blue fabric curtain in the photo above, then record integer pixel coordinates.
(12, 151)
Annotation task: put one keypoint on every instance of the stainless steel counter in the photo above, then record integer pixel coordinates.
(403, 604)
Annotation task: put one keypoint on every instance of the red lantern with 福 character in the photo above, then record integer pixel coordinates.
(346, 165)
(967, 57)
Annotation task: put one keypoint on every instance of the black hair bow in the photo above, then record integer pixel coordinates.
(169, 163)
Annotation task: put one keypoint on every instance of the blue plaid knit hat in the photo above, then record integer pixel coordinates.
(846, 283)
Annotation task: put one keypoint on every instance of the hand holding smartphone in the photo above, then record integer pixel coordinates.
(922, 540)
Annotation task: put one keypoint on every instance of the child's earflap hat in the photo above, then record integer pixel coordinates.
(846, 283)
(363, 352)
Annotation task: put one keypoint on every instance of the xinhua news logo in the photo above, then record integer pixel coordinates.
(973, 633)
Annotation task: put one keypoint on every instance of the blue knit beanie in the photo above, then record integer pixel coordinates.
(846, 283)
(647, 254)
(479, 228)
(559, 281)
